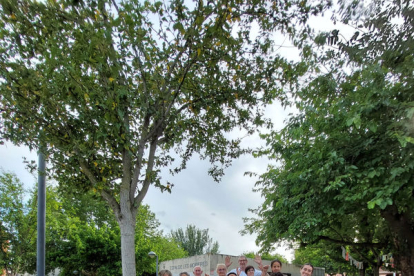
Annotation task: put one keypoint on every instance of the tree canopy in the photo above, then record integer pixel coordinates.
(346, 162)
(117, 91)
(195, 241)
(82, 236)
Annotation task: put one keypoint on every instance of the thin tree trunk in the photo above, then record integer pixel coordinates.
(127, 226)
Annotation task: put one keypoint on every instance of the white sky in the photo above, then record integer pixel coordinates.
(196, 198)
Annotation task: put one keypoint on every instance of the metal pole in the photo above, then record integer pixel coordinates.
(156, 267)
(41, 216)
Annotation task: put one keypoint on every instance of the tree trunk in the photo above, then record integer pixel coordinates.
(362, 271)
(127, 219)
(375, 270)
(127, 226)
(402, 227)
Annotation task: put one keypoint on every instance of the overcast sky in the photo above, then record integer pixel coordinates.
(195, 198)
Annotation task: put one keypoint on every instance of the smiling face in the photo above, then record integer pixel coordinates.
(242, 262)
(197, 271)
(221, 270)
(306, 270)
(276, 267)
(250, 272)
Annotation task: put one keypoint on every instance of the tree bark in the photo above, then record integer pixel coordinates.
(402, 227)
(127, 226)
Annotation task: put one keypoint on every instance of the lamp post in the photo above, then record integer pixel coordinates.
(152, 255)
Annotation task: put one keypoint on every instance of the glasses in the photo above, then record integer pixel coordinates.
(243, 260)
(221, 269)
(250, 270)
(307, 269)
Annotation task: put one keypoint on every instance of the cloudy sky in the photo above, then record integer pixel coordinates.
(195, 198)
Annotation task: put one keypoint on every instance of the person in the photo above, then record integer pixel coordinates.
(165, 273)
(275, 266)
(184, 274)
(197, 271)
(231, 274)
(221, 270)
(240, 271)
(306, 270)
(249, 270)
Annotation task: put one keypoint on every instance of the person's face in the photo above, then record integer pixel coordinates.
(276, 267)
(221, 270)
(197, 271)
(242, 262)
(250, 272)
(306, 270)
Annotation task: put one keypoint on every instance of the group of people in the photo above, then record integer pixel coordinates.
(246, 270)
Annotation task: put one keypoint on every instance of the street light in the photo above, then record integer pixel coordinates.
(152, 255)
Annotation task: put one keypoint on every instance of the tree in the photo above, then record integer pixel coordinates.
(114, 89)
(195, 241)
(324, 255)
(347, 155)
(267, 256)
(17, 233)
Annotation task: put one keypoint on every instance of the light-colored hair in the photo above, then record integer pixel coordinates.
(163, 272)
(196, 267)
(218, 265)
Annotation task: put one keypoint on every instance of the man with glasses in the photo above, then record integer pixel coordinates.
(242, 266)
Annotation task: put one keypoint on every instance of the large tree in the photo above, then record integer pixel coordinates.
(114, 88)
(195, 241)
(347, 156)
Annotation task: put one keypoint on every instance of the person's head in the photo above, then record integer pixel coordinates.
(165, 273)
(338, 274)
(231, 273)
(197, 270)
(184, 274)
(249, 270)
(306, 270)
(221, 269)
(242, 262)
(276, 266)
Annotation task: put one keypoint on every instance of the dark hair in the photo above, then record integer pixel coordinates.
(184, 273)
(309, 264)
(275, 261)
(231, 272)
(276, 274)
(248, 268)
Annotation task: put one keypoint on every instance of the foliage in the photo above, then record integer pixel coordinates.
(17, 232)
(195, 241)
(81, 235)
(324, 255)
(267, 256)
(346, 157)
(113, 89)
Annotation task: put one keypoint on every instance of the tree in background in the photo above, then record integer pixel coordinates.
(113, 88)
(195, 241)
(82, 236)
(267, 256)
(347, 168)
(324, 255)
(17, 230)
